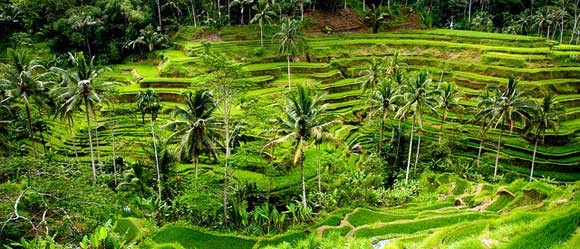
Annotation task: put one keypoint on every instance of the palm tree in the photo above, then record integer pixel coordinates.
(195, 124)
(419, 96)
(80, 88)
(242, 4)
(449, 101)
(83, 23)
(383, 100)
(301, 123)
(263, 14)
(25, 79)
(546, 117)
(291, 41)
(373, 75)
(396, 68)
(148, 102)
(505, 106)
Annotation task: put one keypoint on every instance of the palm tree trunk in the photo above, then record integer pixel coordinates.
(159, 12)
(228, 152)
(318, 167)
(156, 158)
(479, 152)
(441, 128)
(417, 153)
(382, 130)
(497, 154)
(30, 130)
(196, 164)
(398, 143)
(303, 184)
(289, 84)
(261, 33)
(90, 141)
(302, 11)
(534, 158)
(410, 151)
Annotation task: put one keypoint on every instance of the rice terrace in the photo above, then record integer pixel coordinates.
(289, 124)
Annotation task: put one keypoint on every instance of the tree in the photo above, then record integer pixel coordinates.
(148, 38)
(449, 101)
(148, 102)
(373, 75)
(195, 124)
(83, 23)
(291, 41)
(383, 100)
(24, 78)
(301, 123)
(505, 106)
(419, 97)
(545, 117)
(242, 4)
(263, 14)
(80, 88)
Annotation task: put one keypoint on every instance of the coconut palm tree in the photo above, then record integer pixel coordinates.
(291, 41)
(419, 97)
(264, 13)
(195, 124)
(24, 78)
(148, 102)
(384, 100)
(503, 107)
(80, 88)
(450, 97)
(84, 23)
(373, 75)
(242, 4)
(546, 117)
(302, 122)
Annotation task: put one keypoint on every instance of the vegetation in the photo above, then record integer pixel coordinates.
(178, 114)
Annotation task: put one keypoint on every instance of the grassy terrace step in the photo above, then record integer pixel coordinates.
(413, 226)
(327, 77)
(340, 97)
(279, 67)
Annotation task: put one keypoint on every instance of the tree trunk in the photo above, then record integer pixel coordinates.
(364, 5)
(228, 152)
(497, 154)
(156, 157)
(442, 122)
(534, 158)
(194, 19)
(219, 10)
(302, 11)
(318, 167)
(576, 17)
(289, 84)
(303, 184)
(30, 130)
(261, 33)
(469, 13)
(196, 163)
(561, 28)
(479, 152)
(159, 12)
(417, 153)
(410, 151)
(382, 132)
(90, 141)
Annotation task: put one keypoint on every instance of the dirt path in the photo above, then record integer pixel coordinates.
(343, 223)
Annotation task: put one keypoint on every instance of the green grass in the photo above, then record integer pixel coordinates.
(551, 232)
(190, 238)
(365, 216)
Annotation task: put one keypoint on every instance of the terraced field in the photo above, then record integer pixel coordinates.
(451, 213)
(470, 59)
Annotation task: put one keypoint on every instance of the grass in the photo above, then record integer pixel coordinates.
(191, 238)
(365, 216)
(551, 232)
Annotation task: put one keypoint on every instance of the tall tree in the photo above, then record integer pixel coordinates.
(372, 75)
(384, 100)
(503, 107)
(291, 41)
(264, 13)
(83, 23)
(545, 117)
(80, 88)
(419, 96)
(148, 103)
(24, 78)
(450, 97)
(302, 121)
(195, 124)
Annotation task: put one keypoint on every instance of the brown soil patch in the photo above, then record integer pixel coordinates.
(340, 22)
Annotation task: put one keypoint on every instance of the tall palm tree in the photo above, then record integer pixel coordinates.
(419, 96)
(450, 97)
(148, 102)
(291, 41)
(84, 23)
(373, 75)
(384, 100)
(242, 4)
(80, 88)
(302, 122)
(264, 13)
(546, 117)
(24, 78)
(396, 68)
(503, 107)
(195, 125)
